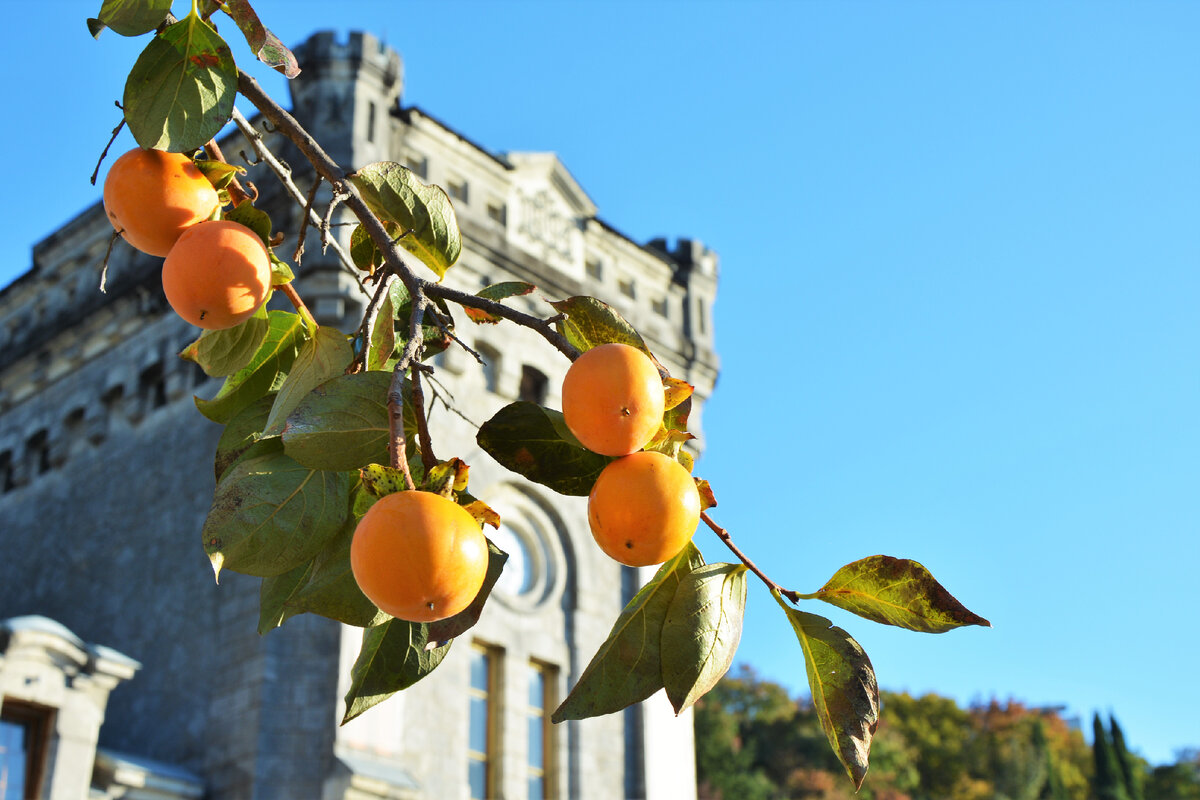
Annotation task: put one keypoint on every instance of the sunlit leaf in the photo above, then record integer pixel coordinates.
(264, 44)
(257, 220)
(591, 323)
(628, 666)
(676, 392)
(219, 174)
(323, 357)
(896, 591)
(393, 657)
(534, 441)
(845, 693)
(702, 630)
(428, 226)
(497, 292)
(270, 514)
(263, 374)
(224, 352)
(129, 17)
(180, 91)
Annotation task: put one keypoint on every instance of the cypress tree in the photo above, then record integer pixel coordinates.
(1108, 783)
(1129, 772)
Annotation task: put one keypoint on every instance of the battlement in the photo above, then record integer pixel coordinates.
(322, 57)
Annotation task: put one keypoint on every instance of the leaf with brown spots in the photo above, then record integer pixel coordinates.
(896, 591)
(534, 441)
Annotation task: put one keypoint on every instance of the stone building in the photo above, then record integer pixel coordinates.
(105, 483)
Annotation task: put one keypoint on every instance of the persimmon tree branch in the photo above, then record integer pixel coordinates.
(727, 539)
(328, 169)
(284, 174)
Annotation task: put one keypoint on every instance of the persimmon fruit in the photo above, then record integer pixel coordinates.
(643, 508)
(612, 399)
(217, 274)
(418, 556)
(152, 197)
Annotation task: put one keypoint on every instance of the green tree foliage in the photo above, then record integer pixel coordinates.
(1131, 771)
(1108, 782)
(1178, 781)
(754, 741)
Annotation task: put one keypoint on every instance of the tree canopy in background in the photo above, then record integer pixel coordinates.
(754, 742)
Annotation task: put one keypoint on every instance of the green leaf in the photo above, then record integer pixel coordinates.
(264, 44)
(219, 174)
(591, 323)
(270, 514)
(253, 218)
(845, 693)
(497, 292)
(273, 595)
(426, 218)
(242, 433)
(224, 352)
(393, 657)
(343, 423)
(702, 631)
(331, 590)
(446, 629)
(383, 353)
(181, 89)
(363, 252)
(129, 17)
(896, 591)
(628, 666)
(534, 441)
(263, 374)
(322, 358)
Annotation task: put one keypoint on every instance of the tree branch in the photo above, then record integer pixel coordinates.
(285, 178)
(725, 537)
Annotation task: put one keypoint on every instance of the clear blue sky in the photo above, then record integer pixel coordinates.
(959, 312)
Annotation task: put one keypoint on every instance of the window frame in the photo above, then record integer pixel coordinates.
(38, 723)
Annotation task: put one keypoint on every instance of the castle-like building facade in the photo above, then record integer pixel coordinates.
(125, 671)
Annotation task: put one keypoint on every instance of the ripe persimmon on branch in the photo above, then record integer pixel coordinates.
(327, 433)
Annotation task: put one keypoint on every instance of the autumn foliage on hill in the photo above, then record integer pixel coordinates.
(754, 742)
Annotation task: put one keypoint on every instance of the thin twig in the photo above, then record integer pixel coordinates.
(428, 460)
(285, 179)
(327, 220)
(111, 139)
(725, 537)
(397, 447)
(308, 213)
(368, 323)
(538, 325)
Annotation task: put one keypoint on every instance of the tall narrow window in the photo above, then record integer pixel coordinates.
(534, 385)
(482, 746)
(541, 751)
(23, 732)
(370, 121)
(457, 189)
(37, 453)
(8, 477)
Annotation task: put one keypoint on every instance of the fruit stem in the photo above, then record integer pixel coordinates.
(290, 292)
(418, 398)
(725, 537)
